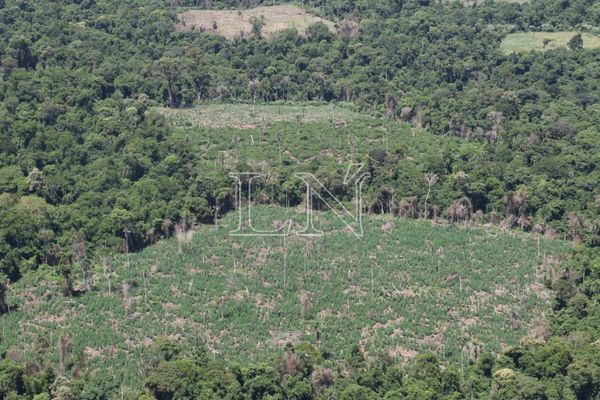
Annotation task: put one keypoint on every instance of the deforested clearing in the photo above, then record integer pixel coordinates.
(445, 288)
(236, 23)
(529, 41)
(244, 116)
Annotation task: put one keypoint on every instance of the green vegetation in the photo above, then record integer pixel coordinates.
(528, 41)
(405, 287)
(252, 116)
(455, 131)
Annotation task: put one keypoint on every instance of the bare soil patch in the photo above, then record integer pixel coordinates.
(236, 23)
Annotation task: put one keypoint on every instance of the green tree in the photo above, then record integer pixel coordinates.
(171, 70)
(257, 25)
(11, 379)
(356, 392)
(175, 380)
(576, 42)
(20, 50)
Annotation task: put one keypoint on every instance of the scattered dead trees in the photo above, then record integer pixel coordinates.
(431, 179)
(79, 250)
(321, 378)
(347, 28)
(406, 113)
(538, 230)
(108, 273)
(460, 211)
(383, 203)
(575, 226)
(254, 88)
(64, 346)
(166, 227)
(408, 207)
(514, 204)
(127, 300)
(496, 118)
(390, 106)
(184, 235)
(304, 304)
(515, 213)
(478, 217)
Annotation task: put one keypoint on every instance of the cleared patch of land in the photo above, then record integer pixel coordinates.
(248, 116)
(235, 23)
(310, 136)
(405, 287)
(529, 41)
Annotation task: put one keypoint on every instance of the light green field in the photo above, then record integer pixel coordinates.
(249, 116)
(406, 286)
(529, 41)
(309, 137)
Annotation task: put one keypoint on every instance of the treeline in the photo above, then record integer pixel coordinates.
(534, 370)
(536, 15)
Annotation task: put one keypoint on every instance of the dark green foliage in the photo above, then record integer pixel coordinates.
(355, 392)
(11, 379)
(81, 151)
(3, 290)
(576, 42)
(174, 380)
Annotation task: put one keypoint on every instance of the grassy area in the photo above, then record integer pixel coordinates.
(529, 41)
(404, 287)
(294, 137)
(249, 116)
(232, 23)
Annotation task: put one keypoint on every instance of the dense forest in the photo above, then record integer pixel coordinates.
(87, 167)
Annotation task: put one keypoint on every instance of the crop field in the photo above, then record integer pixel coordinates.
(232, 23)
(529, 41)
(403, 287)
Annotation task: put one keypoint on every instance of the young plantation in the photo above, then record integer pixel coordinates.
(404, 287)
